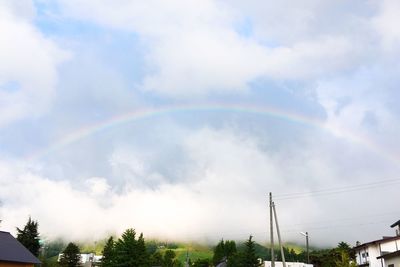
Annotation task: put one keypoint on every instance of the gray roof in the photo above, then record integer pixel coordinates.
(13, 251)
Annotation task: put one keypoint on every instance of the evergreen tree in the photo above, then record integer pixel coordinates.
(219, 253)
(143, 258)
(168, 260)
(108, 259)
(29, 236)
(230, 248)
(224, 251)
(250, 258)
(130, 252)
(125, 249)
(71, 256)
(156, 259)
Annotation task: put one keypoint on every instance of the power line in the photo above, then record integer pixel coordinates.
(348, 219)
(337, 190)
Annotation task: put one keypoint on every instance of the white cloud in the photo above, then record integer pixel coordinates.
(194, 48)
(228, 181)
(386, 24)
(28, 64)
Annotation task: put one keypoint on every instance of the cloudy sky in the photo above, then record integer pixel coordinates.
(178, 117)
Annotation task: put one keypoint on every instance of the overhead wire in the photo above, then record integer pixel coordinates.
(337, 190)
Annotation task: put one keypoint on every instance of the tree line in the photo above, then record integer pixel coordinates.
(131, 250)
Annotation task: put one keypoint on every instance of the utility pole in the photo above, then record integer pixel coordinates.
(279, 236)
(308, 251)
(187, 259)
(271, 230)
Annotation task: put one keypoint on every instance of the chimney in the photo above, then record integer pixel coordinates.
(397, 225)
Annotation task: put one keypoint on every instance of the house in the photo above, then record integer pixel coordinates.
(376, 253)
(288, 264)
(87, 259)
(13, 253)
(391, 259)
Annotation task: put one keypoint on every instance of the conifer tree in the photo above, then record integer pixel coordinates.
(108, 259)
(219, 252)
(224, 251)
(71, 256)
(29, 236)
(130, 252)
(168, 260)
(143, 258)
(250, 258)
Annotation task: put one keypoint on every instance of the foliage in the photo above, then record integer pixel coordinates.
(202, 263)
(224, 251)
(54, 248)
(29, 236)
(168, 260)
(156, 259)
(108, 254)
(71, 256)
(247, 256)
(131, 252)
(345, 260)
(127, 251)
(250, 258)
(341, 256)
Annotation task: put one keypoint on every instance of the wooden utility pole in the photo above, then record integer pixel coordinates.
(271, 230)
(308, 252)
(279, 236)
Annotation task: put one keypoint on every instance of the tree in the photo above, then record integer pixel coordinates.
(341, 256)
(130, 252)
(71, 256)
(224, 251)
(250, 258)
(345, 261)
(344, 247)
(143, 258)
(125, 249)
(219, 253)
(168, 260)
(156, 259)
(29, 236)
(108, 259)
(230, 248)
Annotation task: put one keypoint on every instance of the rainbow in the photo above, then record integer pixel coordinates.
(270, 111)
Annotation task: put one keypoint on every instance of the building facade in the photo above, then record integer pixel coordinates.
(288, 264)
(373, 253)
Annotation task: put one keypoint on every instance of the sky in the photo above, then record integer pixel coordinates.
(177, 118)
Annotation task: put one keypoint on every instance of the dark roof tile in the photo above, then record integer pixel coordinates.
(13, 251)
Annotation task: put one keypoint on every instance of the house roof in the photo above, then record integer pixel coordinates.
(13, 251)
(395, 224)
(378, 241)
(389, 255)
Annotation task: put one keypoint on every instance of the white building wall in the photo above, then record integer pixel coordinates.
(395, 261)
(388, 247)
(361, 256)
(288, 264)
(374, 252)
